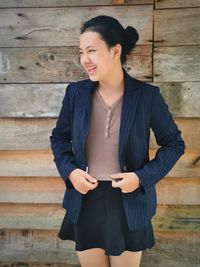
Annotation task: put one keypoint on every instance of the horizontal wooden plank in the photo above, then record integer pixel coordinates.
(176, 64)
(31, 190)
(170, 190)
(176, 3)
(26, 134)
(175, 27)
(61, 26)
(180, 191)
(36, 246)
(182, 98)
(177, 217)
(62, 3)
(35, 264)
(30, 101)
(49, 217)
(187, 126)
(61, 64)
(31, 216)
(40, 163)
(174, 249)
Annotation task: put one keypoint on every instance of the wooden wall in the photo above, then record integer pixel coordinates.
(38, 57)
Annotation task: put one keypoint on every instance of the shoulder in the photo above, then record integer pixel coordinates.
(74, 86)
(145, 87)
(136, 84)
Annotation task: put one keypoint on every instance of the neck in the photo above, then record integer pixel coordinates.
(114, 83)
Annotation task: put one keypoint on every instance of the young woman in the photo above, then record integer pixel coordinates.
(101, 150)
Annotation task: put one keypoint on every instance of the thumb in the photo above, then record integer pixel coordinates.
(117, 175)
(116, 183)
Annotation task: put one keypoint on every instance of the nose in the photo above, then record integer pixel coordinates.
(84, 59)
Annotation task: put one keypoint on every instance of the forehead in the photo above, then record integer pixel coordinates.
(90, 39)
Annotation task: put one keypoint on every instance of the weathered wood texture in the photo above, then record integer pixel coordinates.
(60, 64)
(35, 264)
(40, 163)
(183, 99)
(42, 246)
(34, 133)
(174, 249)
(38, 58)
(171, 190)
(186, 21)
(60, 26)
(174, 64)
(36, 246)
(176, 3)
(62, 3)
(49, 217)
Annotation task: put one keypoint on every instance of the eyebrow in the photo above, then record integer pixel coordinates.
(86, 47)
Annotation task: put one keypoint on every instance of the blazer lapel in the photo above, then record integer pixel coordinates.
(129, 107)
(86, 99)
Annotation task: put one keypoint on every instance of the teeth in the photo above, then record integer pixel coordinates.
(91, 68)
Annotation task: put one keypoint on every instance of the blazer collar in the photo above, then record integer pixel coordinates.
(129, 106)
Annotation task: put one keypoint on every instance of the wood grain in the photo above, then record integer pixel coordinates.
(170, 190)
(34, 133)
(38, 58)
(177, 27)
(31, 27)
(176, 3)
(176, 64)
(61, 64)
(62, 3)
(36, 246)
(176, 249)
(183, 99)
(35, 264)
(49, 217)
(33, 163)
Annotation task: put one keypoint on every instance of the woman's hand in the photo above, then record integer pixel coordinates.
(82, 181)
(127, 181)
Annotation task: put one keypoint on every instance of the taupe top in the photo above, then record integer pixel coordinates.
(102, 144)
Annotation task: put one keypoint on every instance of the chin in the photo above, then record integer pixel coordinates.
(93, 78)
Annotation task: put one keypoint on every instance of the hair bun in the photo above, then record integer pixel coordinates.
(132, 37)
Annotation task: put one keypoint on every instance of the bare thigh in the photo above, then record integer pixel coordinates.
(93, 257)
(126, 259)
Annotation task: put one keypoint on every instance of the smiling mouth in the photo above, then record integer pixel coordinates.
(91, 69)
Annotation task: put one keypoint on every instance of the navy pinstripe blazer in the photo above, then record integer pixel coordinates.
(143, 108)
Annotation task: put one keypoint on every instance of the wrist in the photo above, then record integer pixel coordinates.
(71, 174)
(140, 186)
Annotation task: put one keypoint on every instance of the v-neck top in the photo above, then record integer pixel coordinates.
(102, 144)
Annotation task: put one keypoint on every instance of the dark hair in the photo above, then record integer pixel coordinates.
(112, 32)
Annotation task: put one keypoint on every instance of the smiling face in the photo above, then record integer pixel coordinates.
(97, 59)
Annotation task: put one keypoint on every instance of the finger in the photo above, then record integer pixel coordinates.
(90, 178)
(117, 175)
(90, 185)
(93, 186)
(116, 184)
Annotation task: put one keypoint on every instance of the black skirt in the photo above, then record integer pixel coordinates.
(102, 224)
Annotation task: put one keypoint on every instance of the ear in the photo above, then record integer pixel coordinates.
(117, 49)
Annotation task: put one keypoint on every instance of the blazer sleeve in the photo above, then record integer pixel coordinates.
(168, 136)
(61, 141)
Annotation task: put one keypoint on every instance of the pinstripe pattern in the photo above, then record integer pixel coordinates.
(143, 108)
